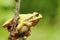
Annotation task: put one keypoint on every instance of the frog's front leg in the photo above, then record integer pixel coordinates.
(19, 26)
(22, 27)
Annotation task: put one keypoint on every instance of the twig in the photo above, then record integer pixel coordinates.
(16, 14)
(15, 21)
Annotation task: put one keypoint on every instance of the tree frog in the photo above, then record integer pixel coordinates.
(24, 23)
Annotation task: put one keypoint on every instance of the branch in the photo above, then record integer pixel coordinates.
(16, 14)
(15, 21)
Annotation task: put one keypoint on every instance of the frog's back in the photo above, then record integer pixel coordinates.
(24, 16)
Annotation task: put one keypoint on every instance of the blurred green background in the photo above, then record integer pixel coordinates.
(48, 27)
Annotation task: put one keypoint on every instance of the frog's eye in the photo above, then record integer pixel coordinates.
(37, 15)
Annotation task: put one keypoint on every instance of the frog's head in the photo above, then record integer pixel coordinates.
(35, 18)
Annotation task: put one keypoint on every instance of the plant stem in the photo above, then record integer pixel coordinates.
(15, 21)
